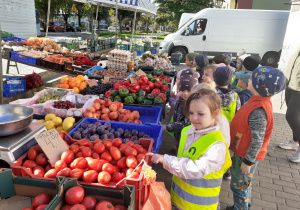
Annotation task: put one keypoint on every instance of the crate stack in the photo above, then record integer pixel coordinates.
(118, 60)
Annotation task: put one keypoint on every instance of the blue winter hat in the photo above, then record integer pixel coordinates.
(244, 75)
(201, 60)
(222, 76)
(268, 81)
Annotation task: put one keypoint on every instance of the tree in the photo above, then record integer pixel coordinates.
(122, 14)
(42, 7)
(83, 10)
(65, 8)
(103, 14)
(146, 20)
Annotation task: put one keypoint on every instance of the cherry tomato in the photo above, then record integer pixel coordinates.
(115, 153)
(64, 172)
(78, 207)
(86, 152)
(95, 155)
(48, 167)
(83, 142)
(66, 207)
(38, 171)
(122, 163)
(122, 145)
(117, 142)
(131, 162)
(99, 147)
(138, 148)
(90, 176)
(79, 154)
(67, 156)
(91, 145)
(74, 148)
(108, 168)
(106, 156)
(116, 177)
(40, 199)
(74, 195)
(107, 144)
(51, 173)
(60, 164)
(140, 157)
(41, 207)
(29, 164)
(76, 173)
(129, 171)
(104, 177)
(104, 205)
(130, 143)
(32, 153)
(130, 152)
(41, 159)
(120, 207)
(94, 164)
(78, 163)
(89, 202)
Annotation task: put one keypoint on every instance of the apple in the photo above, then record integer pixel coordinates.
(97, 101)
(136, 115)
(129, 121)
(137, 121)
(91, 109)
(107, 102)
(123, 111)
(129, 116)
(122, 118)
(113, 115)
(105, 117)
(88, 114)
(97, 106)
(96, 115)
(113, 107)
(105, 111)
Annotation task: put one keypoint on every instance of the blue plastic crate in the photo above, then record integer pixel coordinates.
(23, 58)
(153, 50)
(99, 68)
(148, 115)
(13, 39)
(10, 90)
(154, 131)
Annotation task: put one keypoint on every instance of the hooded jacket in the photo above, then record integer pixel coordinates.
(245, 96)
(227, 96)
(292, 71)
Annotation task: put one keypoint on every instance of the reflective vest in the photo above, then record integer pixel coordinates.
(199, 193)
(233, 84)
(229, 111)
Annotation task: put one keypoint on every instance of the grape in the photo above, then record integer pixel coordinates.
(134, 132)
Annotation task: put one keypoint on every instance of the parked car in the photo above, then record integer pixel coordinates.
(113, 28)
(54, 26)
(73, 27)
(142, 28)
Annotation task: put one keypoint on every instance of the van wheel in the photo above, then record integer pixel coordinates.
(270, 59)
(181, 51)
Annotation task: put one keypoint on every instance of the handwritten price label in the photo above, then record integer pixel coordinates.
(52, 145)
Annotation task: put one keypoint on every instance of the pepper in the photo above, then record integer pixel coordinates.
(114, 93)
(128, 100)
(142, 93)
(149, 76)
(111, 98)
(155, 92)
(164, 88)
(134, 88)
(116, 86)
(145, 88)
(133, 95)
(148, 102)
(162, 96)
(123, 92)
(140, 100)
(108, 93)
(150, 97)
(167, 79)
(151, 85)
(126, 83)
(158, 100)
(164, 82)
(122, 86)
(158, 84)
(155, 80)
(142, 80)
(118, 98)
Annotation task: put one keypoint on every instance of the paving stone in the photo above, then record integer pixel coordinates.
(287, 169)
(284, 207)
(284, 183)
(272, 199)
(287, 195)
(295, 204)
(291, 190)
(263, 204)
(269, 175)
(271, 186)
(281, 173)
(263, 190)
(263, 179)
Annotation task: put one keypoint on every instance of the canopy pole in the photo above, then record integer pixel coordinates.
(132, 30)
(116, 37)
(48, 14)
(152, 30)
(94, 28)
(1, 71)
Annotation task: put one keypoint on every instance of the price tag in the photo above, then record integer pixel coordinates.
(140, 73)
(106, 79)
(132, 80)
(92, 82)
(52, 145)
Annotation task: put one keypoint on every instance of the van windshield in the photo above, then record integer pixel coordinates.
(184, 24)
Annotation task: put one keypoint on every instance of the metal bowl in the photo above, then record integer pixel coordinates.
(14, 118)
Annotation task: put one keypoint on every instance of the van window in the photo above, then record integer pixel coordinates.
(197, 27)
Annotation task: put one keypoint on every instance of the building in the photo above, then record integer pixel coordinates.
(256, 4)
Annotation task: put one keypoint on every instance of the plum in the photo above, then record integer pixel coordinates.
(117, 134)
(84, 125)
(87, 122)
(103, 137)
(86, 136)
(141, 134)
(92, 130)
(111, 136)
(134, 132)
(80, 129)
(94, 137)
(91, 125)
(125, 140)
(86, 131)
(127, 135)
(97, 123)
(77, 136)
(107, 125)
(111, 130)
(134, 138)
(146, 136)
(127, 131)
(121, 131)
(99, 130)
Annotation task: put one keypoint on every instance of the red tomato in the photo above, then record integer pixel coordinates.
(79, 154)
(129, 171)
(104, 205)
(140, 157)
(131, 162)
(78, 207)
(116, 168)
(144, 151)
(139, 169)
(27, 208)
(122, 145)
(86, 152)
(104, 177)
(66, 207)
(32, 153)
(116, 177)
(74, 148)
(91, 145)
(60, 164)
(95, 155)
(74, 195)
(99, 147)
(94, 164)
(107, 144)
(117, 142)
(64, 172)
(41, 159)
(83, 142)
(29, 164)
(115, 153)
(90, 176)
(134, 175)
(51, 173)
(42, 207)
(67, 156)
(130, 152)
(138, 148)
(89, 202)
(113, 162)
(40, 199)
(76, 173)
(120, 207)
(130, 143)
(38, 171)
(123, 148)
(122, 163)
(97, 141)
(78, 163)
(48, 167)
(106, 156)
(108, 168)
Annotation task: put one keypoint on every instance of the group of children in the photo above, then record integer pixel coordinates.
(218, 108)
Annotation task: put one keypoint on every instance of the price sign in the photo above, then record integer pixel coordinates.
(140, 73)
(92, 82)
(52, 145)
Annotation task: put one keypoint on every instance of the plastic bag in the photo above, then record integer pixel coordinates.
(157, 197)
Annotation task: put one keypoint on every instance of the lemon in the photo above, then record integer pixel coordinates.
(49, 117)
(59, 128)
(49, 125)
(57, 121)
(41, 121)
(67, 125)
(70, 119)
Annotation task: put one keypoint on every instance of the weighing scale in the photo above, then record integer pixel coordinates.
(14, 146)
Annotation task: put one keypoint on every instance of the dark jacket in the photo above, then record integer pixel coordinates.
(227, 96)
(179, 120)
(245, 96)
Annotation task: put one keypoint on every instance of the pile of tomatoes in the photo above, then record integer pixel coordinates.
(40, 202)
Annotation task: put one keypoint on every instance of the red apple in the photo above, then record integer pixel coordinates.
(105, 117)
(88, 114)
(122, 118)
(129, 116)
(96, 115)
(113, 115)
(113, 107)
(91, 109)
(97, 106)
(123, 111)
(107, 102)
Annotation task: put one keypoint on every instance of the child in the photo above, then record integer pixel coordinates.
(251, 131)
(202, 157)
(200, 62)
(239, 62)
(243, 79)
(250, 63)
(223, 59)
(188, 79)
(208, 74)
(230, 100)
(189, 60)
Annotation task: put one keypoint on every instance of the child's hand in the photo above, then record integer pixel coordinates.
(156, 158)
(245, 168)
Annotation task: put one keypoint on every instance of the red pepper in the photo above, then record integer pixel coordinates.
(162, 96)
(143, 80)
(132, 78)
(126, 83)
(108, 93)
(134, 88)
(158, 84)
(121, 86)
(167, 79)
(116, 86)
(155, 92)
(145, 88)
(164, 88)
(151, 85)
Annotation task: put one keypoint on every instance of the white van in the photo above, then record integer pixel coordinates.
(216, 31)
(185, 17)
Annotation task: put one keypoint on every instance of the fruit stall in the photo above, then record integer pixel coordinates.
(83, 143)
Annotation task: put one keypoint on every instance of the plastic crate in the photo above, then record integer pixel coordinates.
(54, 66)
(112, 45)
(175, 62)
(123, 46)
(148, 115)
(13, 39)
(175, 56)
(111, 40)
(137, 48)
(10, 90)
(98, 68)
(23, 58)
(153, 50)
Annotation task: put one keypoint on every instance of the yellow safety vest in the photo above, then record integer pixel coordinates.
(199, 193)
(229, 111)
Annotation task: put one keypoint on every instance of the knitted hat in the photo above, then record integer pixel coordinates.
(229, 56)
(268, 81)
(222, 76)
(242, 57)
(201, 60)
(191, 56)
(251, 62)
(244, 75)
(188, 79)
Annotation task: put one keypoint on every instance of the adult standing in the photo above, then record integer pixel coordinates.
(292, 98)
(37, 17)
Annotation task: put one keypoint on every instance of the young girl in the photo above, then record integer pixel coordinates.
(208, 74)
(203, 155)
